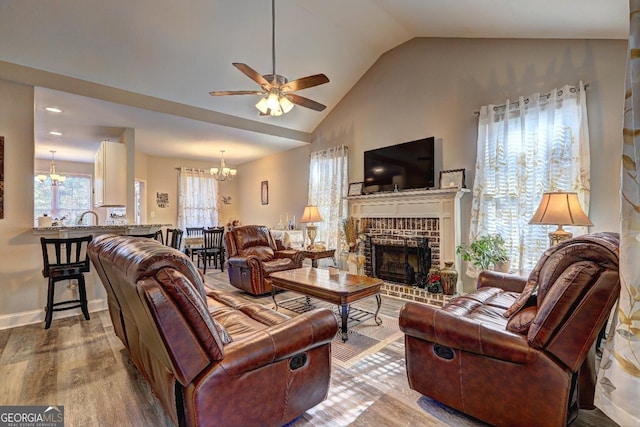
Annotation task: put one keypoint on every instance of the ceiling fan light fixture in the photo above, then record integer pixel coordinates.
(276, 111)
(285, 104)
(262, 106)
(273, 101)
(276, 94)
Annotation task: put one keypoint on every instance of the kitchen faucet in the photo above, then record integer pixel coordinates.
(88, 212)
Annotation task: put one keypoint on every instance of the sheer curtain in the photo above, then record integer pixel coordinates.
(525, 148)
(197, 199)
(618, 382)
(328, 182)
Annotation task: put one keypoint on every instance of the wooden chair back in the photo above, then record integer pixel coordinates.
(65, 256)
(195, 231)
(174, 237)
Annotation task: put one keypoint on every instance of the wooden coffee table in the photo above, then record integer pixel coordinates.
(342, 289)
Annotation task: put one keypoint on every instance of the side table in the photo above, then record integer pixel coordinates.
(314, 256)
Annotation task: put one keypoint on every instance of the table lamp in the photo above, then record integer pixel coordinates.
(310, 215)
(560, 208)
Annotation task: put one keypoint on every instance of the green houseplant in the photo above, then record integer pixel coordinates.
(485, 252)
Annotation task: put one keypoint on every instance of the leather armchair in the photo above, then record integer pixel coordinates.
(518, 351)
(253, 256)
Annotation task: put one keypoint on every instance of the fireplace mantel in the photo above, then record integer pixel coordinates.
(441, 204)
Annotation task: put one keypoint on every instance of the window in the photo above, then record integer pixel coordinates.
(525, 148)
(65, 202)
(328, 176)
(197, 199)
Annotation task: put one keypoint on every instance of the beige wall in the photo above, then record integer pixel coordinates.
(23, 290)
(162, 177)
(431, 87)
(42, 165)
(288, 176)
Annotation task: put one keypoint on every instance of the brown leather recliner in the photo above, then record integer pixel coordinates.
(211, 359)
(518, 351)
(253, 256)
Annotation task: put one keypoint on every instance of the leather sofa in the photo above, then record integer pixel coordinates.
(518, 351)
(254, 255)
(210, 358)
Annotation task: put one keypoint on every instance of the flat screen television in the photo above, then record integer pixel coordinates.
(410, 165)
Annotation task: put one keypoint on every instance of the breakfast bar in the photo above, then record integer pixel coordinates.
(83, 230)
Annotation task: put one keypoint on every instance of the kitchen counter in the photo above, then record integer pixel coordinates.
(83, 230)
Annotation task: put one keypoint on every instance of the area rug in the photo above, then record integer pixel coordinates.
(365, 336)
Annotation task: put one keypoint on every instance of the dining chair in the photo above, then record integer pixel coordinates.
(194, 232)
(156, 236)
(65, 259)
(213, 249)
(174, 237)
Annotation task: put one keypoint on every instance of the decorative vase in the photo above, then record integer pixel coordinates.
(344, 261)
(360, 261)
(353, 266)
(448, 278)
(503, 267)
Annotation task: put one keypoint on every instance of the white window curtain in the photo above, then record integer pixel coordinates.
(197, 199)
(618, 384)
(328, 182)
(527, 147)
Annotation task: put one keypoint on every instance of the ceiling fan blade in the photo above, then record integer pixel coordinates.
(253, 75)
(236, 92)
(305, 102)
(305, 82)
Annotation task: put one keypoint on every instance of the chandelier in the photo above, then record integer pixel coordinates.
(223, 173)
(53, 176)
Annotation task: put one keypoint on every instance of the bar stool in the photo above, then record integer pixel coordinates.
(65, 259)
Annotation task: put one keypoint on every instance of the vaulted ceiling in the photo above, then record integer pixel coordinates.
(179, 51)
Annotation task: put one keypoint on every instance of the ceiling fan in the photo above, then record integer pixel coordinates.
(276, 91)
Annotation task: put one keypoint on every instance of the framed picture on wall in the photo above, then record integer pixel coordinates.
(264, 192)
(453, 178)
(355, 189)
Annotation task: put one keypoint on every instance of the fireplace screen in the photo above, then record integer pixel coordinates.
(402, 264)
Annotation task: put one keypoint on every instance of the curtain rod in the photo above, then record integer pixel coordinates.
(547, 95)
(194, 170)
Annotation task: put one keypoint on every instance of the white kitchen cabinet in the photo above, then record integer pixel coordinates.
(110, 180)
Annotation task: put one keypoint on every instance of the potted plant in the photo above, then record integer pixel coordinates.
(486, 252)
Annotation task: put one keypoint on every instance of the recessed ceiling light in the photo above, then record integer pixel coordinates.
(55, 133)
(53, 110)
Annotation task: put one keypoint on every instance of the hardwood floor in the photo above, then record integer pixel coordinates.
(83, 366)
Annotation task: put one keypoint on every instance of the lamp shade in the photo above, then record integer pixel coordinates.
(560, 208)
(311, 214)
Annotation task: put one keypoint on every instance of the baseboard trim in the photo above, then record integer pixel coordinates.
(14, 320)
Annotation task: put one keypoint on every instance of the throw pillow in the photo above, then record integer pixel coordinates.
(522, 299)
(521, 321)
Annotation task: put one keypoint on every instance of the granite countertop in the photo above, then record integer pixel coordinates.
(99, 227)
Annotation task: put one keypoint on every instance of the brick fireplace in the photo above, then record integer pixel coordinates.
(401, 250)
(402, 221)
